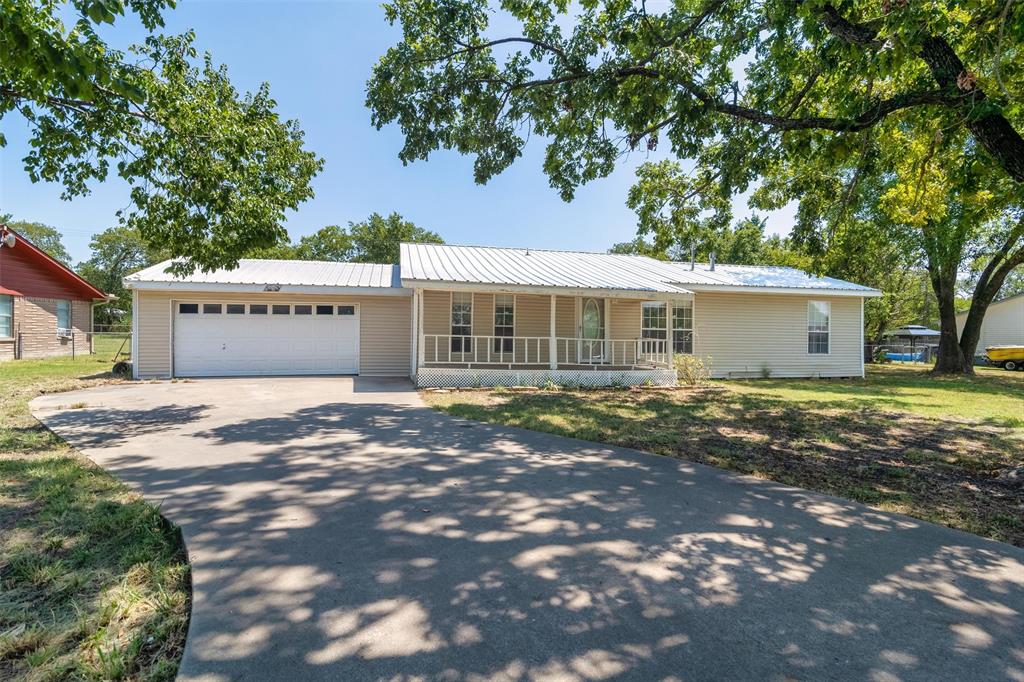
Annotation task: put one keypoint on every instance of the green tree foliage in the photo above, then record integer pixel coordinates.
(43, 236)
(212, 171)
(675, 219)
(744, 244)
(606, 75)
(915, 197)
(374, 240)
(332, 243)
(116, 253)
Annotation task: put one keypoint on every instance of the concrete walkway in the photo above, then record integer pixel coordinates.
(340, 530)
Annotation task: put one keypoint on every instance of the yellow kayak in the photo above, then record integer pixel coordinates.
(1007, 357)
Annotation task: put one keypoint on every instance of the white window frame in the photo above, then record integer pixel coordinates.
(816, 329)
(460, 345)
(654, 305)
(66, 304)
(682, 305)
(7, 302)
(502, 341)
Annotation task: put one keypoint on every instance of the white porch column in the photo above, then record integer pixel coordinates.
(421, 346)
(414, 355)
(670, 322)
(608, 352)
(552, 345)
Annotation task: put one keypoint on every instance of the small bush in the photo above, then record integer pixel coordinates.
(691, 370)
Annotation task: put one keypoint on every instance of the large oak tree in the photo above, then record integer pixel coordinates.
(780, 94)
(212, 171)
(608, 75)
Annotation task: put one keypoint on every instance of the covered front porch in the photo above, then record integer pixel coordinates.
(488, 338)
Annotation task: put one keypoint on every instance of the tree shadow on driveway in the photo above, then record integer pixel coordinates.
(354, 541)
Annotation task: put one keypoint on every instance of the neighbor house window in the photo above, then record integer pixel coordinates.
(188, 308)
(212, 308)
(235, 308)
(258, 309)
(462, 321)
(819, 314)
(303, 310)
(653, 321)
(279, 309)
(6, 316)
(504, 322)
(346, 310)
(325, 310)
(682, 327)
(63, 314)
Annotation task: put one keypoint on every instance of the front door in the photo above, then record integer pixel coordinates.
(592, 331)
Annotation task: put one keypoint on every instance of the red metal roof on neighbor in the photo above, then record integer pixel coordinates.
(4, 291)
(27, 270)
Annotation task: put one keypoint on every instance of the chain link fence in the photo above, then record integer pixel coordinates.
(113, 342)
(883, 353)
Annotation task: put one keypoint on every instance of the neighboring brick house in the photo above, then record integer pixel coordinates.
(45, 308)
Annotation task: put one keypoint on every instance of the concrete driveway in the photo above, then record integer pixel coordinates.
(340, 530)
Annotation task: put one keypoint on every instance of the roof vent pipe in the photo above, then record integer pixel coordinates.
(693, 256)
(711, 261)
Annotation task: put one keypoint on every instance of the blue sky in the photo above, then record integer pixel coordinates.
(317, 57)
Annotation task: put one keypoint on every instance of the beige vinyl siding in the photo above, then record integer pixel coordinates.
(624, 324)
(384, 328)
(566, 327)
(483, 314)
(437, 312)
(1003, 324)
(533, 319)
(744, 334)
(153, 327)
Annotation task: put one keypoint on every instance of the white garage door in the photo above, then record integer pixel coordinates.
(232, 339)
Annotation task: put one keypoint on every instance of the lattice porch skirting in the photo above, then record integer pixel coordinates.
(443, 377)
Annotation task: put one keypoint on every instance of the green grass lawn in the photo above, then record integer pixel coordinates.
(94, 584)
(900, 440)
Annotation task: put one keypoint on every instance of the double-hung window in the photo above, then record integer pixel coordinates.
(653, 321)
(653, 327)
(63, 314)
(462, 322)
(6, 316)
(819, 315)
(504, 323)
(682, 327)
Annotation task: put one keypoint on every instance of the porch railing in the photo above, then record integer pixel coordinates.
(448, 349)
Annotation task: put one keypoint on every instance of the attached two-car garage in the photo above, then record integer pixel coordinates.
(230, 338)
(272, 318)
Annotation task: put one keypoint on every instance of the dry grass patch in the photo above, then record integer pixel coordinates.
(940, 450)
(94, 583)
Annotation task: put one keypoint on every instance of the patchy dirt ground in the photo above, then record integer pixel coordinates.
(957, 471)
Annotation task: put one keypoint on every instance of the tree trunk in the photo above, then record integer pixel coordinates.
(988, 125)
(950, 358)
(989, 284)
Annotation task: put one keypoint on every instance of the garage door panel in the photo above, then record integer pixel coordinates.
(253, 344)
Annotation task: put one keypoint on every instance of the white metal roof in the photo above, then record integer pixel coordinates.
(447, 263)
(288, 274)
(761, 277)
(534, 268)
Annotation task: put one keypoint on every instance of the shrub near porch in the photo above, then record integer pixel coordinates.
(942, 450)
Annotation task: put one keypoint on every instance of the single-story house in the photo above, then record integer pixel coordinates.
(465, 315)
(45, 308)
(1003, 324)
